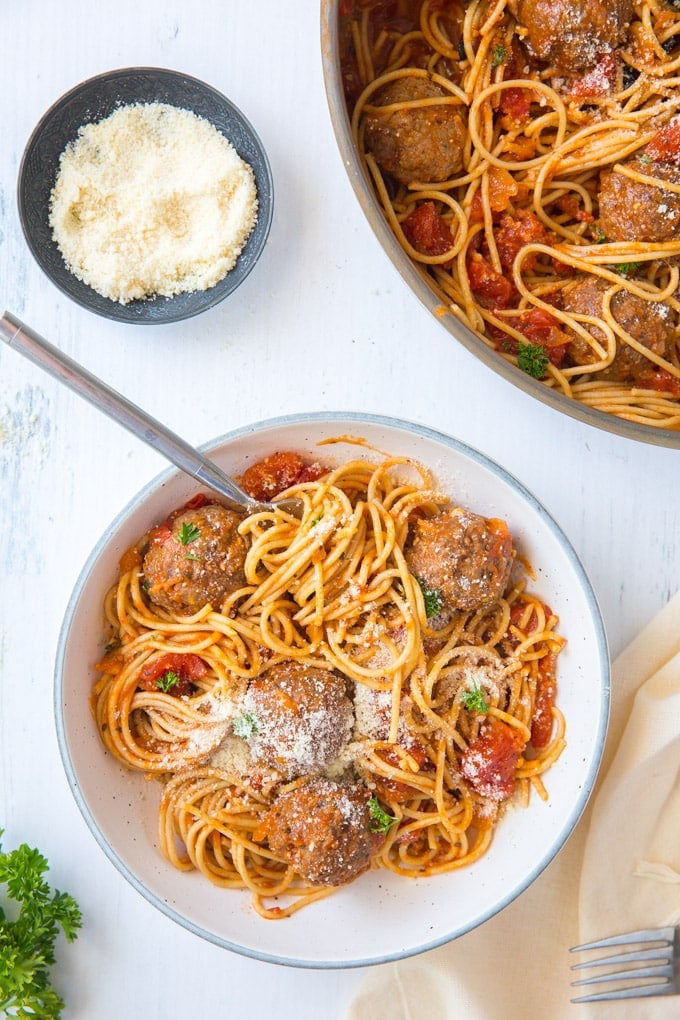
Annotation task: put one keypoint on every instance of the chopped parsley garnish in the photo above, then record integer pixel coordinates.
(532, 359)
(474, 699)
(27, 942)
(499, 55)
(316, 520)
(166, 682)
(644, 158)
(626, 268)
(246, 725)
(192, 556)
(187, 533)
(431, 598)
(381, 820)
(598, 234)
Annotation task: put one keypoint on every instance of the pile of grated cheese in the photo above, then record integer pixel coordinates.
(152, 200)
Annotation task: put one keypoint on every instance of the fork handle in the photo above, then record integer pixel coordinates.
(53, 361)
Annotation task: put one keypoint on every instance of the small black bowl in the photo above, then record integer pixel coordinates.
(90, 102)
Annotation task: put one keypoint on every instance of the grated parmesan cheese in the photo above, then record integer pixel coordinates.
(151, 200)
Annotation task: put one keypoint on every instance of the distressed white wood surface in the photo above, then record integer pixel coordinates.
(322, 323)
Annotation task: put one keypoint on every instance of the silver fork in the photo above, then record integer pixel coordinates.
(661, 959)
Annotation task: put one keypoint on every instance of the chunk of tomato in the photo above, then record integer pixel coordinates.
(491, 288)
(185, 666)
(427, 232)
(665, 145)
(278, 472)
(489, 763)
(546, 689)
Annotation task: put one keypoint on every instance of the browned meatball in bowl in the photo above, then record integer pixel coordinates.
(632, 210)
(572, 35)
(465, 558)
(195, 558)
(422, 143)
(323, 829)
(298, 717)
(648, 322)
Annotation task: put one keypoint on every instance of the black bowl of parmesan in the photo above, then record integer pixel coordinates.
(145, 195)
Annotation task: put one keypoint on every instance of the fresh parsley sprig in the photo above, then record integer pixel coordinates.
(532, 359)
(188, 532)
(626, 268)
(381, 821)
(431, 598)
(27, 943)
(167, 681)
(474, 699)
(246, 725)
(499, 55)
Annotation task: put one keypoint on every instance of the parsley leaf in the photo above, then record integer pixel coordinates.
(499, 55)
(474, 699)
(532, 359)
(626, 268)
(27, 943)
(166, 682)
(381, 820)
(246, 725)
(431, 598)
(187, 533)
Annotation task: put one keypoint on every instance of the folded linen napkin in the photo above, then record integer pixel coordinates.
(619, 871)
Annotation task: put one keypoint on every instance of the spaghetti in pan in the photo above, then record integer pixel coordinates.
(366, 687)
(526, 154)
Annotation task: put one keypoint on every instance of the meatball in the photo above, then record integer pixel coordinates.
(648, 322)
(323, 830)
(421, 143)
(462, 556)
(572, 35)
(631, 210)
(301, 717)
(197, 557)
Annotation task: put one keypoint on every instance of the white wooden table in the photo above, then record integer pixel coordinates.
(322, 323)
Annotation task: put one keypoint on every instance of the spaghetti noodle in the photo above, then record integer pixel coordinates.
(334, 712)
(521, 149)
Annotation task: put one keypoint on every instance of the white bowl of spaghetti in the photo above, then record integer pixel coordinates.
(518, 162)
(402, 838)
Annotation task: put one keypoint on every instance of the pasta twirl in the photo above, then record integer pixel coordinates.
(334, 712)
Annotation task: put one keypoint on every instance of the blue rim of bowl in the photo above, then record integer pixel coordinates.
(586, 786)
(90, 101)
(418, 283)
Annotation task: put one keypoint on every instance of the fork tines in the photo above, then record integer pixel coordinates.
(659, 958)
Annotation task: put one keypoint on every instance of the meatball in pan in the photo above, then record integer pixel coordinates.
(415, 143)
(635, 210)
(572, 36)
(648, 322)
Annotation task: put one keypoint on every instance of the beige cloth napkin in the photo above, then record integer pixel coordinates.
(619, 871)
